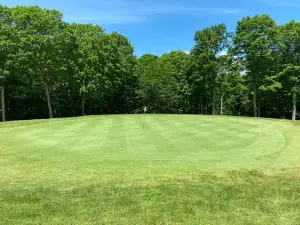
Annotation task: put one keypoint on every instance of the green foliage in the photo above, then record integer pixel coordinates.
(177, 63)
(210, 42)
(257, 44)
(8, 43)
(290, 73)
(79, 69)
(232, 88)
(85, 62)
(163, 82)
(157, 88)
(39, 33)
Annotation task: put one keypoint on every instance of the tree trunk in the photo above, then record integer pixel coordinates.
(214, 102)
(201, 105)
(254, 102)
(221, 106)
(3, 103)
(186, 104)
(48, 97)
(82, 105)
(258, 106)
(111, 101)
(294, 106)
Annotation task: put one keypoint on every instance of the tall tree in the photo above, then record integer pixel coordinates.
(290, 74)
(40, 29)
(85, 62)
(158, 89)
(178, 64)
(232, 89)
(147, 71)
(210, 42)
(120, 71)
(222, 79)
(256, 44)
(8, 42)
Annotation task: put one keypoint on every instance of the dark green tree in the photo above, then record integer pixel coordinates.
(256, 44)
(210, 42)
(290, 73)
(40, 30)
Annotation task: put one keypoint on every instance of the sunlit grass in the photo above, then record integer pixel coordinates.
(150, 169)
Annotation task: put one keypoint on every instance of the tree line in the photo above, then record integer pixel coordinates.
(50, 68)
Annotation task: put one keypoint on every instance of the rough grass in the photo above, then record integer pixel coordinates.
(152, 169)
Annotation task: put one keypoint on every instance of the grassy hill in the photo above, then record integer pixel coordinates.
(150, 169)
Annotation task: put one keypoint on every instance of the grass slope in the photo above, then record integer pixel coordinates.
(150, 169)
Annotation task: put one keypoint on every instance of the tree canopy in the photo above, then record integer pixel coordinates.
(49, 68)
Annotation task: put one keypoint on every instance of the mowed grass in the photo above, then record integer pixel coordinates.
(150, 169)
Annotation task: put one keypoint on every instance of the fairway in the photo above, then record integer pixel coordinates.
(150, 169)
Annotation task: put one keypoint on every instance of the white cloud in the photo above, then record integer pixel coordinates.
(187, 52)
(119, 12)
(187, 10)
(282, 3)
(107, 12)
(105, 18)
(292, 5)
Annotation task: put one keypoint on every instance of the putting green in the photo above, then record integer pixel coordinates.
(202, 142)
(150, 169)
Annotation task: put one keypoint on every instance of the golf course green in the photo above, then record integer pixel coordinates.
(150, 169)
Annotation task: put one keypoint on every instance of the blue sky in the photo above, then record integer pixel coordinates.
(159, 26)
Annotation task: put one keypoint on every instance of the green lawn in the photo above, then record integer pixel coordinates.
(150, 169)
